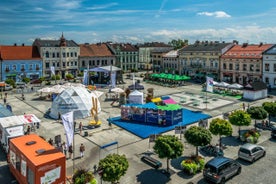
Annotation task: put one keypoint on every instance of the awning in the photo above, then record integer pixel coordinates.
(11, 75)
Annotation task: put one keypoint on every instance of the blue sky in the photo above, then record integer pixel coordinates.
(140, 21)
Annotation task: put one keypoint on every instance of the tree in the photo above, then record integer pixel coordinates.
(168, 146)
(239, 118)
(83, 176)
(178, 44)
(270, 108)
(220, 127)
(113, 167)
(257, 113)
(198, 136)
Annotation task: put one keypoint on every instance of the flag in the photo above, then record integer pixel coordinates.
(113, 79)
(85, 77)
(53, 70)
(68, 123)
(209, 84)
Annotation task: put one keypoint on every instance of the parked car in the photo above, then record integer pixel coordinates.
(220, 169)
(251, 152)
(273, 133)
(20, 84)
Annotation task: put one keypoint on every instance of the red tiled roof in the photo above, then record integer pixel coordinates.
(19, 52)
(246, 51)
(127, 47)
(91, 50)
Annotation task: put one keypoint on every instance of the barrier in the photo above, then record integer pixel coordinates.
(151, 161)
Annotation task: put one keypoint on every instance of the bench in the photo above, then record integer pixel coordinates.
(151, 161)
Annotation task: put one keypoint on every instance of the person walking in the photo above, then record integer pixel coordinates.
(82, 149)
(5, 100)
(65, 148)
(80, 128)
(70, 150)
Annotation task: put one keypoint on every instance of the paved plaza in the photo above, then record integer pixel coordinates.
(189, 96)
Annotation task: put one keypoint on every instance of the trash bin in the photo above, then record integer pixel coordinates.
(85, 134)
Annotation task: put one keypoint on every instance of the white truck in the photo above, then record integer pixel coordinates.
(10, 127)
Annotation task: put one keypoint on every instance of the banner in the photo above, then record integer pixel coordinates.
(113, 79)
(85, 77)
(209, 84)
(68, 123)
(53, 70)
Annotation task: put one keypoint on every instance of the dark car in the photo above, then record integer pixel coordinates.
(220, 169)
(273, 133)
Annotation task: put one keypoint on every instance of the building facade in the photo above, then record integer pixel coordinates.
(95, 55)
(145, 54)
(170, 63)
(243, 63)
(61, 54)
(20, 62)
(269, 67)
(202, 58)
(126, 55)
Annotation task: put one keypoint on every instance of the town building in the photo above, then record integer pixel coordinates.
(269, 67)
(202, 58)
(170, 62)
(145, 54)
(95, 55)
(243, 63)
(61, 54)
(126, 55)
(20, 62)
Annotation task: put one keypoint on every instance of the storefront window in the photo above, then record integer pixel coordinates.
(267, 67)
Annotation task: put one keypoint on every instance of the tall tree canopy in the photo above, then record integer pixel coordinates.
(220, 127)
(198, 136)
(178, 44)
(240, 118)
(257, 113)
(270, 107)
(168, 146)
(113, 167)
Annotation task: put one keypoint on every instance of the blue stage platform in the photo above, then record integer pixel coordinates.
(145, 130)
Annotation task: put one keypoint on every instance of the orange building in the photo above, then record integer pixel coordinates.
(32, 160)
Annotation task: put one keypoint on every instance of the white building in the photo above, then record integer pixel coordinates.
(62, 54)
(269, 67)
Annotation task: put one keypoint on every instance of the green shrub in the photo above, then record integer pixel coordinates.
(10, 82)
(55, 77)
(193, 164)
(26, 80)
(69, 76)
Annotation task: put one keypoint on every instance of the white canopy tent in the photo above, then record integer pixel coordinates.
(235, 86)
(75, 99)
(136, 97)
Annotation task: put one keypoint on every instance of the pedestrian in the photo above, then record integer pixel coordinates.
(65, 148)
(70, 150)
(82, 149)
(75, 126)
(59, 117)
(6, 95)
(51, 141)
(23, 97)
(28, 130)
(80, 128)
(5, 100)
(243, 106)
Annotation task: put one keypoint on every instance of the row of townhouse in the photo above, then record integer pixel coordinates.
(229, 62)
(66, 56)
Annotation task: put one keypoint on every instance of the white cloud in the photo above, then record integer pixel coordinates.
(104, 6)
(217, 14)
(68, 4)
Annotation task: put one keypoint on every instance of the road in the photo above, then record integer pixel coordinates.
(260, 172)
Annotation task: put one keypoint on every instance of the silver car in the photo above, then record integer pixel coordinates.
(251, 152)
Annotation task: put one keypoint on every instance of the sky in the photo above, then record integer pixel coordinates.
(137, 21)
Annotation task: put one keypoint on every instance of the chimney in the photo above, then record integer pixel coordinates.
(14, 44)
(261, 43)
(23, 44)
(244, 44)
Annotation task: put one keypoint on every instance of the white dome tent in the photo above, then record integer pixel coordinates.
(136, 97)
(75, 99)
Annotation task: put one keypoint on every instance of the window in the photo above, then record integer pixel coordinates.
(63, 54)
(244, 67)
(47, 54)
(267, 80)
(274, 81)
(14, 67)
(54, 55)
(266, 67)
(22, 67)
(251, 67)
(76, 54)
(224, 66)
(274, 67)
(63, 64)
(83, 63)
(57, 64)
(237, 66)
(57, 55)
(47, 65)
(230, 66)
(67, 54)
(30, 67)
(37, 66)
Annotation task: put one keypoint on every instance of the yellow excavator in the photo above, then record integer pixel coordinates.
(94, 113)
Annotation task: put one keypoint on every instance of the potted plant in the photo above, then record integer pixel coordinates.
(250, 136)
(193, 164)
